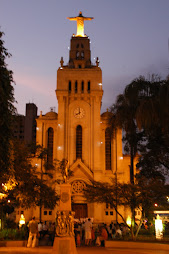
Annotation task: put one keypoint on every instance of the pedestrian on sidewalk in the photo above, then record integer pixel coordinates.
(33, 230)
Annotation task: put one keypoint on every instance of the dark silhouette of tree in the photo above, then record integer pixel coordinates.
(7, 110)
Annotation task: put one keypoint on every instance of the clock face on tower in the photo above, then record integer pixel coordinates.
(79, 112)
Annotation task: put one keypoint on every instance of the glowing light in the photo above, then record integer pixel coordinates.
(121, 158)
(158, 228)
(101, 142)
(58, 124)
(22, 220)
(100, 122)
(61, 68)
(167, 199)
(36, 165)
(9, 201)
(156, 205)
(100, 84)
(128, 221)
(59, 148)
(37, 128)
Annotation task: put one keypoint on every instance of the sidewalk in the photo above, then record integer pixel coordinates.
(81, 250)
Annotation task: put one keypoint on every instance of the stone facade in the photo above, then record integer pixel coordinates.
(78, 132)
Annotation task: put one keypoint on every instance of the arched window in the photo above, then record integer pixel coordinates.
(88, 87)
(70, 86)
(77, 46)
(50, 146)
(82, 54)
(108, 148)
(82, 45)
(82, 86)
(76, 86)
(77, 54)
(79, 142)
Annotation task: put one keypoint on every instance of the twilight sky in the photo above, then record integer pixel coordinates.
(130, 37)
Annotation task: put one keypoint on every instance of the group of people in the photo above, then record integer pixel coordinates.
(85, 233)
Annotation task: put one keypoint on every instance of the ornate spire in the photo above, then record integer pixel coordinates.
(80, 23)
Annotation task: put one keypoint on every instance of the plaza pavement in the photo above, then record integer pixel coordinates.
(83, 250)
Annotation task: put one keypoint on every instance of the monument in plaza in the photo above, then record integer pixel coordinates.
(64, 242)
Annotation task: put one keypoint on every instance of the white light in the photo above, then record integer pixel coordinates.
(100, 122)
(100, 84)
(159, 228)
(36, 164)
(101, 142)
(37, 128)
(59, 147)
(128, 221)
(9, 200)
(58, 124)
(121, 158)
(61, 68)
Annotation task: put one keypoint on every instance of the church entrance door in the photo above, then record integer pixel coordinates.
(80, 210)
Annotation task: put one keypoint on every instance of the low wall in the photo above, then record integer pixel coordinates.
(13, 243)
(136, 245)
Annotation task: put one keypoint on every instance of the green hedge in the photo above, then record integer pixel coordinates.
(13, 234)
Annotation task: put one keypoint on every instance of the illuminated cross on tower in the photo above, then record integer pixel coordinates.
(80, 23)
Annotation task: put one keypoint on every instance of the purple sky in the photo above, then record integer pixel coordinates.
(130, 37)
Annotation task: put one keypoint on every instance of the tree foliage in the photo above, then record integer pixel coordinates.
(7, 110)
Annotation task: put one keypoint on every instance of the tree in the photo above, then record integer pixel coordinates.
(145, 191)
(28, 186)
(124, 116)
(7, 110)
(142, 111)
(46, 193)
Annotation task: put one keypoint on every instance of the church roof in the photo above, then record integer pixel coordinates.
(106, 114)
(51, 115)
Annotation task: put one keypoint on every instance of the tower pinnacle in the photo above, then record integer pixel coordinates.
(80, 23)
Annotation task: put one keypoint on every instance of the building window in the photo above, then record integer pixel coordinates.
(50, 212)
(82, 45)
(111, 212)
(82, 54)
(45, 212)
(70, 86)
(82, 87)
(108, 148)
(106, 213)
(88, 87)
(79, 142)
(77, 54)
(76, 86)
(80, 66)
(50, 146)
(77, 46)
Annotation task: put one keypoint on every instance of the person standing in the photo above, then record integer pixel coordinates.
(33, 230)
(88, 234)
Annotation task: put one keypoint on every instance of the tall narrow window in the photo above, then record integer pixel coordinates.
(70, 86)
(79, 142)
(77, 54)
(82, 88)
(108, 149)
(82, 54)
(88, 87)
(50, 147)
(76, 86)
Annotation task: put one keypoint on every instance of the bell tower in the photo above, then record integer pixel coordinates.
(79, 93)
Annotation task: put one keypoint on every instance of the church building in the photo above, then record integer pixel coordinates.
(78, 132)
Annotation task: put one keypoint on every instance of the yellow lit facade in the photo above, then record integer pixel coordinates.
(78, 132)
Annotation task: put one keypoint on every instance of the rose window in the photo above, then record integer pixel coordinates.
(78, 187)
